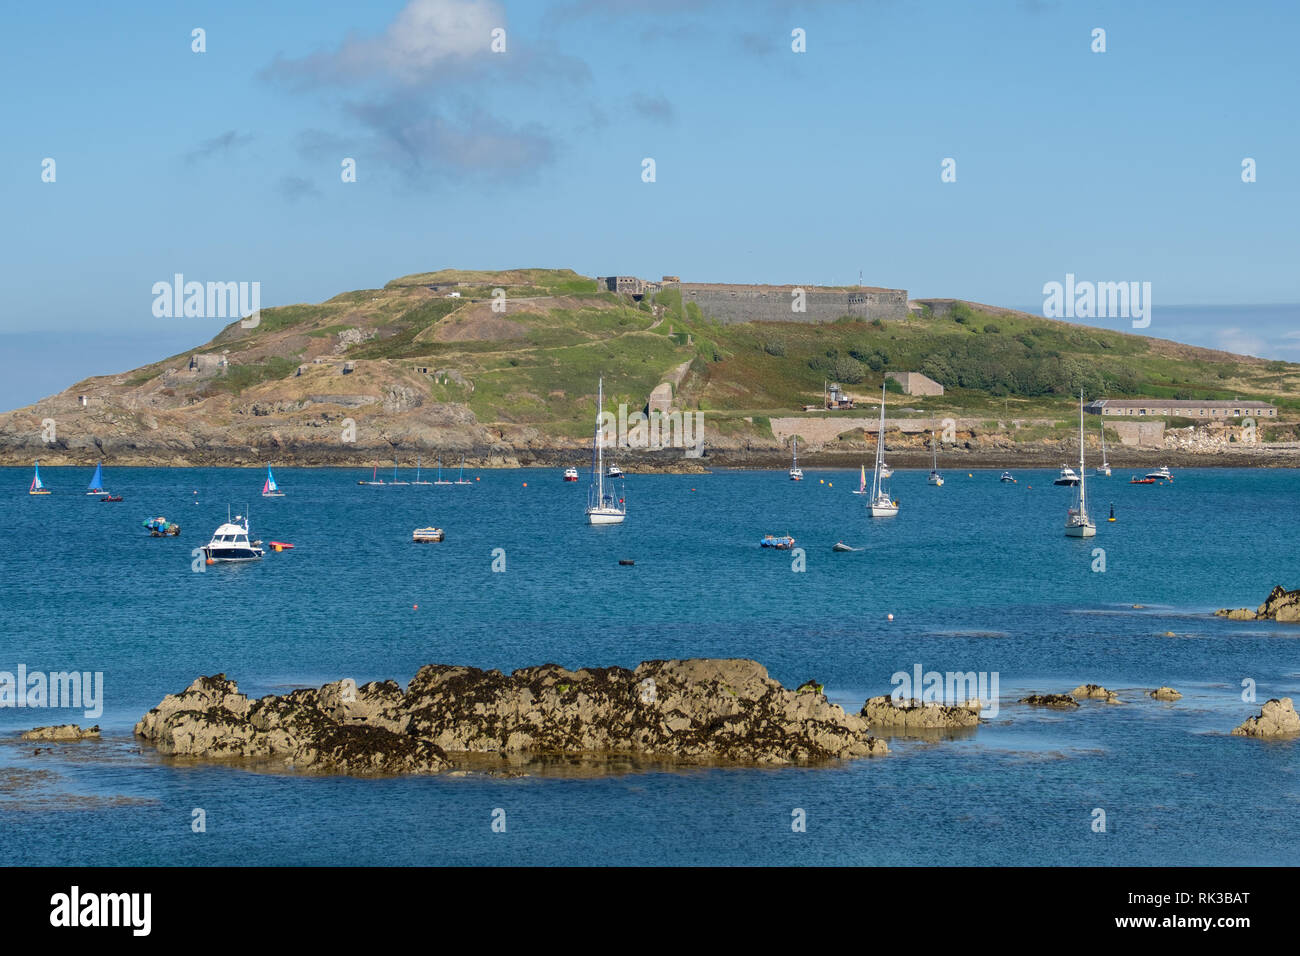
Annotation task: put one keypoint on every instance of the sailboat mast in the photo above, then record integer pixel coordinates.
(600, 451)
(1083, 507)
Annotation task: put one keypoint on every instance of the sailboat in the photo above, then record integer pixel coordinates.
(374, 478)
(37, 488)
(96, 486)
(1078, 523)
(862, 481)
(796, 473)
(461, 480)
(440, 481)
(1104, 470)
(395, 481)
(417, 473)
(881, 504)
(270, 489)
(602, 507)
(935, 478)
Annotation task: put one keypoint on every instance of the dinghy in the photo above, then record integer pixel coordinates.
(37, 488)
(270, 489)
(96, 486)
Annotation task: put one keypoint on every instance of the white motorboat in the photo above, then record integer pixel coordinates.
(570, 474)
(230, 542)
(1161, 474)
(1078, 523)
(881, 504)
(1008, 478)
(426, 535)
(614, 472)
(603, 507)
(1068, 477)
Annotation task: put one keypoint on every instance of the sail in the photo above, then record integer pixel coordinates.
(97, 482)
(36, 479)
(270, 482)
(862, 479)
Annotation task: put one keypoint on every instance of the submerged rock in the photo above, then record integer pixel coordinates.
(1060, 701)
(691, 711)
(62, 732)
(1095, 692)
(1280, 605)
(1165, 693)
(1277, 719)
(884, 713)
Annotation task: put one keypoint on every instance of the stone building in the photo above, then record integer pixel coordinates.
(1207, 409)
(914, 383)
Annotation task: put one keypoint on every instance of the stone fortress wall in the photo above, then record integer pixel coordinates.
(730, 303)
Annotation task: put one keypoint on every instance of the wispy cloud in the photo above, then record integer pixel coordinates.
(218, 146)
(294, 188)
(656, 108)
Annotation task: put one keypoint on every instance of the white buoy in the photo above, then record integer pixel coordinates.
(891, 617)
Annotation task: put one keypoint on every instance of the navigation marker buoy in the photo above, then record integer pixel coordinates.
(890, 616)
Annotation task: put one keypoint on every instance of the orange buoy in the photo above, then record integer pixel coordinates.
(525, 484)
(415, 607)
(210, 561)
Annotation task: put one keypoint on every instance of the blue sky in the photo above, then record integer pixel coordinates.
(772, 166)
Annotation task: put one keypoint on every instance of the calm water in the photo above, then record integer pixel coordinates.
(978, 576)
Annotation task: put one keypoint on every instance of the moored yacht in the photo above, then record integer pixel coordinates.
(230, 542)
(614, 472)
(796, 473)
(603, 507)
(570, 474)
(1068, 477)
(882, 504)
(1160, 474)
(1078, 523)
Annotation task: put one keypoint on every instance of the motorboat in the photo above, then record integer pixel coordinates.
(614, 472)
(1068, 477)
(230, 542)
(1006, 476)
(782, 542)
(1160, 474)
(426, 535)
(570, 474)
(111, 498)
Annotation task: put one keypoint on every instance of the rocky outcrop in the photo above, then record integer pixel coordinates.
(1280, 605)
(1277, 719)
(62, 732)
(1095, 692)
(1165, 693)
(1059, 701)
(691, 711)
(884, 713)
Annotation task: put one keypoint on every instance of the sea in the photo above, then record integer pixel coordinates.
(976, 575)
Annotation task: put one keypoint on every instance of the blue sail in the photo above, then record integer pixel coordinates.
(97, 482)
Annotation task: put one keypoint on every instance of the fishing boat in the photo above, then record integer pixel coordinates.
(1160, 474)
(602, 507)
(161, 528)
(1078, 523)
(570, 474)
(1068, 477)
(96, 486)
(881, 504)
(417, 473)
(614, 472)
(395, 481)
(935, 478)
(269, 488)
(1006, 476)
(426, 535)
(37, 488)
(462, 480)
(796, 473)
(374, 478)
(440, 480)
(230, 543)
(782, 542)
(861, 489)
(1104, 470)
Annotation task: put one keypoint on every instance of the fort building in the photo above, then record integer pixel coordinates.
(1207, 409)
(914, 383)
(731, 302)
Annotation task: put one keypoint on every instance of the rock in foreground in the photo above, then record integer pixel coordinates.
(693, 711)
(884, 713)
(62, 732)
(1280, 605)
(1277, 719)
(1095, 692)
(1060, 701)
(1165, 693)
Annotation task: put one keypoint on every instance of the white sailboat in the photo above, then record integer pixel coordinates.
(881, 504)
(935, 478)
(796, 473)
(1078, 523)
(418, 481)
(602, 507)
(1104, 470)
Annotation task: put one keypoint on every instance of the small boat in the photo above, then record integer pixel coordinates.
(782, 542)
(230, 543)
(1160, 474)
(280, 545)
(37, 488)
(1006, 476)
(395, 481)
(96, 486)
(374, 478)
(417, 473)
(111, 498)
(796, 473)
(935, 478)
(862, 481)
(269, 488)
(162, 528)
(602, 507)
(614, 472)
(1135, 480)
(440, 481)
(1078, 523)
(570, 474)
(882, 505)
(626, 562)
(1104, 470)
(461, 480)
(841, 546)
(1068, 477)
(426, 535)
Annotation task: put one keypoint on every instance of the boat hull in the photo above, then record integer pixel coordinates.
(1080, 530)
(232, 555)
(883, 510)
(605, 516)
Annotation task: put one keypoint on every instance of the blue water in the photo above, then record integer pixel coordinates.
(978, 575)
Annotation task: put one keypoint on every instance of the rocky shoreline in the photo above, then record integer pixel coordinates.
(1280, 605)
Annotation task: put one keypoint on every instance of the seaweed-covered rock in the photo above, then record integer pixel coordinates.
(886, 713)
(1277, 718)
(61, 732)
(691, 711)
(1059, 701)
(1095, 692)
(1165, 693)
